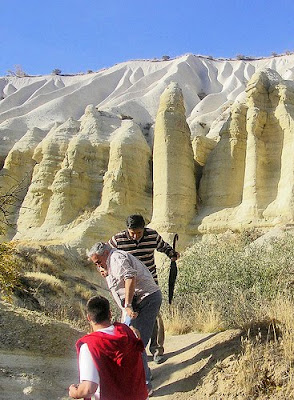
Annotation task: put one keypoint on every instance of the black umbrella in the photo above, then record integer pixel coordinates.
(173, 272)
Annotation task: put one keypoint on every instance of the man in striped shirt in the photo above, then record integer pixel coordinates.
(141, 242)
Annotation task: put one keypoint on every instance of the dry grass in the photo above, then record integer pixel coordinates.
(53, 281)
(83, 292)
(44, 263)
(175, 322)
(282, 312)
(46, 279)
(265, 369)
(208, 319)
(195, 316)
(256, 367)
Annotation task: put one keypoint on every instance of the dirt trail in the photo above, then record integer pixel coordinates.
(189, 358)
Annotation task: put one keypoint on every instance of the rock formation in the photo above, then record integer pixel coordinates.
(174, 188)
(88, 176)
(254, 155)
(49, 156)
(83, 177)
(16, 175)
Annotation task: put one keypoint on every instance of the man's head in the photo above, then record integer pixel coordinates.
(135, 224)
(98, 254)
(98, 309)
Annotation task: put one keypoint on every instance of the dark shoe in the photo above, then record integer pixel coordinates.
(158, 359)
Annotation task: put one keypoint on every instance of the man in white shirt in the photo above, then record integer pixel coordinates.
(133, 288)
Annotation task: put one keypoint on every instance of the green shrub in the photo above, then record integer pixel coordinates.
(238, 279)
(9, 271)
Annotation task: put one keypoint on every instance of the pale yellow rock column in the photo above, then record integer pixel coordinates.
(16, 175)
(264, 144)
(223, 174)
(126, 188)
(282, 209)
(258, 105)
(77, 186)
(174, 184)
(127, 180)
(49, 155)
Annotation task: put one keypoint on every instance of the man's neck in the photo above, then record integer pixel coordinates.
(101, 325)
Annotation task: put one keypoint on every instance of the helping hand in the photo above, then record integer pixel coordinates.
(131, 313)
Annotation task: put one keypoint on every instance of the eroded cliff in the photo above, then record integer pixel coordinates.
(81, 179)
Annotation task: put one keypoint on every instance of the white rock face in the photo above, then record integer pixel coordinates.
(132, 88)
(85, 149)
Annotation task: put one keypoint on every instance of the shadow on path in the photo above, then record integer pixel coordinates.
(214, 354)
(175, 353)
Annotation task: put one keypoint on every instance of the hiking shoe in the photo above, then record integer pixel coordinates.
(158, 359)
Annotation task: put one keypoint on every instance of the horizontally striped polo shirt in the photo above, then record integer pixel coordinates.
(144, 248)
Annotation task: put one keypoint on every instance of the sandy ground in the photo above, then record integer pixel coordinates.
(189, 358)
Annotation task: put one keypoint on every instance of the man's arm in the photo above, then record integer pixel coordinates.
(164, 247)
(130, 285)
(122, 269)
(84, 389)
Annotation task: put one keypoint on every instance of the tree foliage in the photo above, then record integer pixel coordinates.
(10, 198)
(17, 71)
(56, 71)
(9, 270)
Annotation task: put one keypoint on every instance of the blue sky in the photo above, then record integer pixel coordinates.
(80, 35)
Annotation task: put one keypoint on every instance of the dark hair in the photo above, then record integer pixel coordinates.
(98, 309)
(135, 221)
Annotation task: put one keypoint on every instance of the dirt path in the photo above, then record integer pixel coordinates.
(171, 378)
(30, 377)
(189, 358)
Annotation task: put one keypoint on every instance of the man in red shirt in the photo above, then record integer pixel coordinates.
(110, 358)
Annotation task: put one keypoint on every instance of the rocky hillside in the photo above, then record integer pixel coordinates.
(194, 144)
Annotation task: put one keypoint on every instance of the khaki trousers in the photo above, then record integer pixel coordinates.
(157, 337)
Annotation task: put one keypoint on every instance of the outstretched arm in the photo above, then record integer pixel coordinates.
(164, 247)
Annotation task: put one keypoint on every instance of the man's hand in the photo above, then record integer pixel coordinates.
(131, 313)
(177, 255)
(84, 389)
(73, 391)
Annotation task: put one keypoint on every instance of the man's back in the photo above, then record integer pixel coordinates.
(117, 357)
(122, 266)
